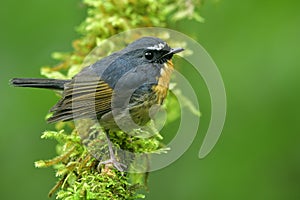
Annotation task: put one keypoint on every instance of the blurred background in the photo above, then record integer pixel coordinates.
(254, 43)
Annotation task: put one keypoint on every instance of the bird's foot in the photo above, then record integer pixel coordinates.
(118, 165)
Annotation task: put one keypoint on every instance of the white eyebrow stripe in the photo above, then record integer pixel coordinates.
(158, 46)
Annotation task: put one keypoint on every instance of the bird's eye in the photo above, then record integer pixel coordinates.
(149, 55)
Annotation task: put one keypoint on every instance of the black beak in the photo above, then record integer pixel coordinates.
(171, 52)
(176, 50)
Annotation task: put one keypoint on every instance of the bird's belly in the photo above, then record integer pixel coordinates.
(137, 113)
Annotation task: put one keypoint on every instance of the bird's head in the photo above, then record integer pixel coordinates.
(151, 50)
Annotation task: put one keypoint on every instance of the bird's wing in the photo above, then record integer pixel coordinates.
(82, 98)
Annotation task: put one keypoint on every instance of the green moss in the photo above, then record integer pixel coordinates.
(75, 167)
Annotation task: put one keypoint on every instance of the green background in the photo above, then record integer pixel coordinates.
(256, 47)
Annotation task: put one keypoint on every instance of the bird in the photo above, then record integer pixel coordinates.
(117, 90)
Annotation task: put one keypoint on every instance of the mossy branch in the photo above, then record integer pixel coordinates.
(75, 167)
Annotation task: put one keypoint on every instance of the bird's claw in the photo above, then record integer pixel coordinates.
(118, 165)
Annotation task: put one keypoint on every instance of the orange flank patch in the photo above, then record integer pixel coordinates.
(161, 88)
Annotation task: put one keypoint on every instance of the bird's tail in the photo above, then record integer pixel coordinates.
(55, 84)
